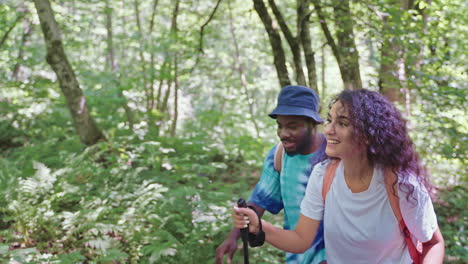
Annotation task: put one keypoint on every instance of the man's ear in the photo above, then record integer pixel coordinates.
(311, 123)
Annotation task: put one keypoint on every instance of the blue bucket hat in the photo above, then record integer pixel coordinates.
(297, 100)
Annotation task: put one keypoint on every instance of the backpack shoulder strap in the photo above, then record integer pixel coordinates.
(328, 177)
(392, 193)
(278, 158)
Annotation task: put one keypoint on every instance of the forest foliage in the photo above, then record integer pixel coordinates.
(180, 91)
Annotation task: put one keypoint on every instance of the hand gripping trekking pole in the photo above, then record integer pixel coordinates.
(244, 233)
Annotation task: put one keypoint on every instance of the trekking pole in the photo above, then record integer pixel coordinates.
(244, 233)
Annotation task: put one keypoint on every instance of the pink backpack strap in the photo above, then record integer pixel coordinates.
(328, 177)
(392, 193)
(278, 158)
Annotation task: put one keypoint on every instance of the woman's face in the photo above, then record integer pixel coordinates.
(340, 134)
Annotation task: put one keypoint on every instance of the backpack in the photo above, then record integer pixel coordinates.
(278, 158)
(415, 252)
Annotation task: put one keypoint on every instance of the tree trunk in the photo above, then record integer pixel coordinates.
(153, 127)
(348, 52)
(322, 72)
(163, 71)
(141, 34)
(424, 30)
(167, 72)
(174, 35)
(303, 14)
(350, 79)
(328, 34)
(84, 124)
(165, 100)
(113, 65)
(24, 39)
(293, 43)
(392, 75)
(176, 98)
(149, 92)
(240, 71)
(152, 63)
(275, 41)
(390, 61)
(111, 62)
(153, 14)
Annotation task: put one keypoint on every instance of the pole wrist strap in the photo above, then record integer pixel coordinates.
(258, 239)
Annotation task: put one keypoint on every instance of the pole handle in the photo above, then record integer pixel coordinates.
(244, 233)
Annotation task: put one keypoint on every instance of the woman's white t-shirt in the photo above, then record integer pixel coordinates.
(361, 227)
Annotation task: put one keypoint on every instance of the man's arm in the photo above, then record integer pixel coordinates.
(259, 209)
(229, 245)
(434, 249)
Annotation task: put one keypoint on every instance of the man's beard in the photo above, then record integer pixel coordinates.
(304, 143)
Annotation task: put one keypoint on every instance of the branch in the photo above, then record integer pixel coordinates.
(292, 41)
(326, 30)
(155, 5)
(284, 27)
(202, 29)
(5, 36)
(279, 57)
(303, 27)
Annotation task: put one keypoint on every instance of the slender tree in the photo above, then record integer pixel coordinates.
(176, 98)
(113, 65)
(393, 81)
(344, 49)
(240, 71)
(322, 71)
(169, 80)
(152, 76)
(303, 25)
(147, 84)
(349, 56)
(294, 43)
(84, 124)
(299, 44)
(136, 5)
(391, 68)
(274, 36)
(24, 39)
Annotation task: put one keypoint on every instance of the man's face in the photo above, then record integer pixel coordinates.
(295, 132)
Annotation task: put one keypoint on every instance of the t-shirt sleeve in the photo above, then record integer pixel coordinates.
(267, 192)
(418, 212)
(312, 205)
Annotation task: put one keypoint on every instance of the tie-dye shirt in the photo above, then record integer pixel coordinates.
(275, 192)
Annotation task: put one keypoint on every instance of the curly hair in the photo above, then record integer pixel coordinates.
(380, 126)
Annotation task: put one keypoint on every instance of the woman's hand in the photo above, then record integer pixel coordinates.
(243, 217)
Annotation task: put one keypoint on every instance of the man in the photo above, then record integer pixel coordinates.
(297, 117)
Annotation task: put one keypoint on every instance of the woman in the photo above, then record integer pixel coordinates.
(367, 137)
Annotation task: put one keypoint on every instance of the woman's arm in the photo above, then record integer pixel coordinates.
(434, 249)
(294, 241)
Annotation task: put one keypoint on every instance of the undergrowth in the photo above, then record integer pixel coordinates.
(123, 201)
